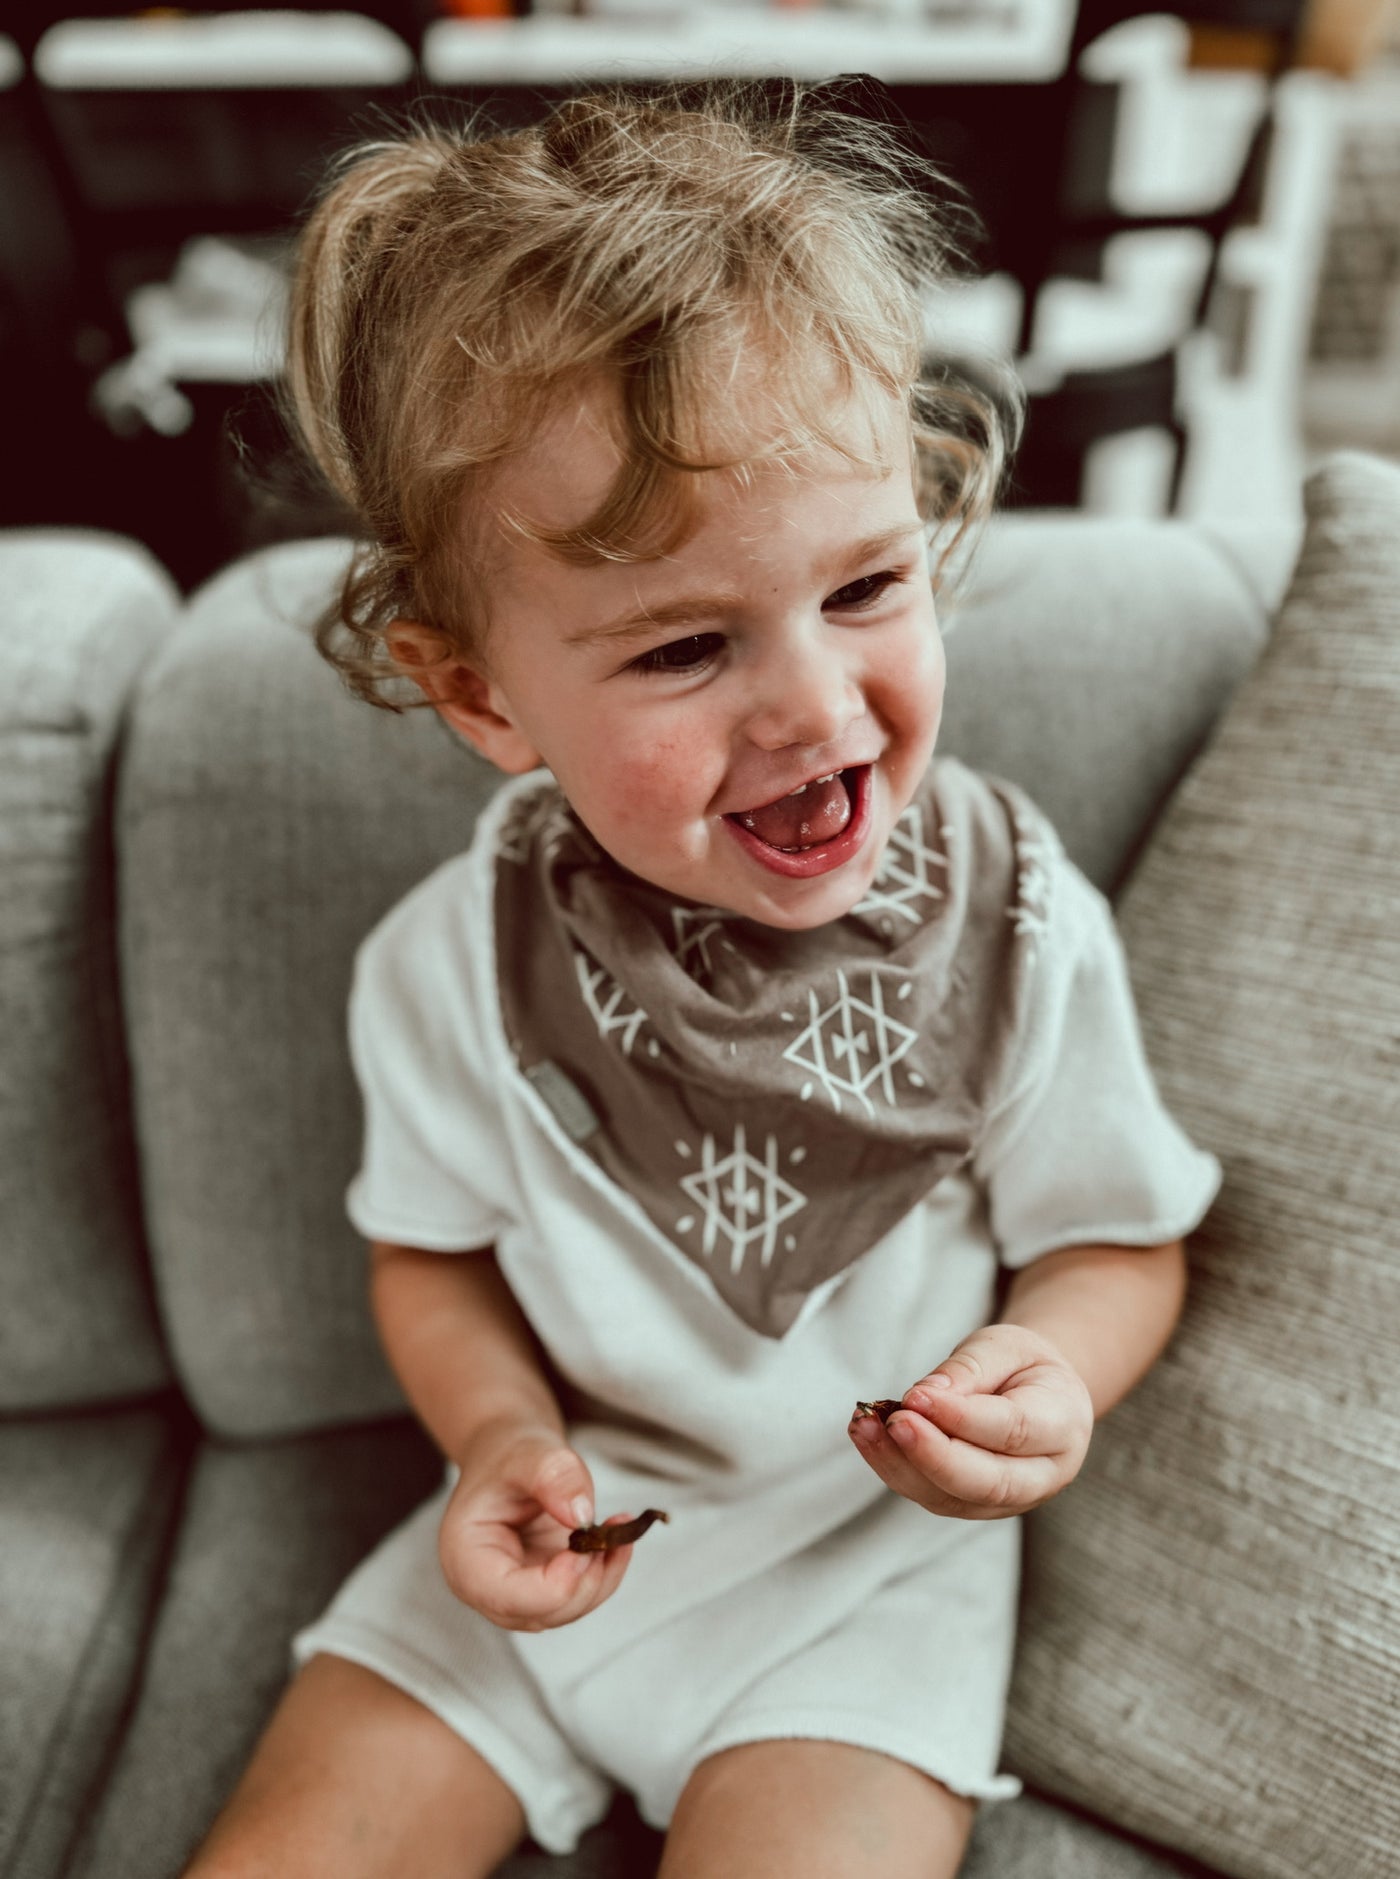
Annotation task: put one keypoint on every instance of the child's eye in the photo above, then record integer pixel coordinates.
(864, 592)
(681, 655)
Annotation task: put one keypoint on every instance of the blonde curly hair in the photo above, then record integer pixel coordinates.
(449, 286)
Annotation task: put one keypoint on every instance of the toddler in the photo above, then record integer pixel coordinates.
(714, 1089)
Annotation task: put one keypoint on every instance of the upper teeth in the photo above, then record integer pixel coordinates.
(815, 780)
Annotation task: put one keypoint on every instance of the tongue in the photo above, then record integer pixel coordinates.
(816, 814)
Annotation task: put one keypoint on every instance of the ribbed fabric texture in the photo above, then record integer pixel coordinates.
(86, 1507)
(1088, 660)
(266, 1534)
(265, 821)
(81, 613)
(1211, 1643)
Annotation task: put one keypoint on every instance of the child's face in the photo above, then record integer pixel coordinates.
(791, 636)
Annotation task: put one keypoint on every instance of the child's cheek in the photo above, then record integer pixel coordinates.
(914, 701)
(659, 783)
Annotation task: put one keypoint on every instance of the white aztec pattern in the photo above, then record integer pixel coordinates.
(692, 929)
(743, 1201)
(608, 1002)
(1038, 850)
(854, 1043)
(903, 877)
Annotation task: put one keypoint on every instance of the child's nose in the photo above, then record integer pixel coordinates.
(807, 700)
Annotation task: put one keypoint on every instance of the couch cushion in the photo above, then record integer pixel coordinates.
(1033, 1838)
(267, 1535)
(81, 613)
(1088, 659)
(1028, 1838)
(87, 1505)
(1211, 1647)
(267, 820)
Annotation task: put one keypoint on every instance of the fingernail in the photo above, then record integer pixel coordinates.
(582, 1511)
(901, 1429)
(919, 1399)
(940, 1381)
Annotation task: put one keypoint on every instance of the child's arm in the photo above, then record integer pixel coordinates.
(1108, 1309)
(1004, 1422)
(472, 1368)
(459, 1344)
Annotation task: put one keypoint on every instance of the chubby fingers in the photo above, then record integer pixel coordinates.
(1000, 1426)
(990, 1359)
(527, 1595)
(562, 1485)
(1029, 1419)
(948, 1475)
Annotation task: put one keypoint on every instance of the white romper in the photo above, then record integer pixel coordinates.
(791, 1594)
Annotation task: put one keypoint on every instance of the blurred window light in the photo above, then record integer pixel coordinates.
(1352, 388)
(221, 51)
(1001, 41)
(1130, 474)
(973, 319)
(1182, 134)
(1356, 307)
(218, 320)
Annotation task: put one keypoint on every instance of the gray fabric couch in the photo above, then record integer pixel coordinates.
(198, 1435)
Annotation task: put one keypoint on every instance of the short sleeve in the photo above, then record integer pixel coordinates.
(434, 1170)
(1081, 1149)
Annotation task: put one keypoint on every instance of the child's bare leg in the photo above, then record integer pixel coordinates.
(354, 1779)
(814, 1810)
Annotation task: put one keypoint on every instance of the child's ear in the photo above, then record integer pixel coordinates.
(462, 695)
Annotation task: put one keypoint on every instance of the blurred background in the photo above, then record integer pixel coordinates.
(1190, 246)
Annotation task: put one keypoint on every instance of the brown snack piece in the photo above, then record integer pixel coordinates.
(605, 1539)
(884, 1407)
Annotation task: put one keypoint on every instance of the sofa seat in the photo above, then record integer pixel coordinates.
(234, 826)
(88, 1505)
(268, 1532)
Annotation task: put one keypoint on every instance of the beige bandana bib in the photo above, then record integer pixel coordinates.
(776, 1102)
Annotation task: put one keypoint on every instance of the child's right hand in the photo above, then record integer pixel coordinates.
(504, 1539)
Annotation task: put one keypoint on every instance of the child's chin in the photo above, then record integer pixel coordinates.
(821, 902)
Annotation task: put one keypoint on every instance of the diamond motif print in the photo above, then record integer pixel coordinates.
(692, 929)
(903, 878)
(608, 1003)
(742, 1200)
(852, 1045)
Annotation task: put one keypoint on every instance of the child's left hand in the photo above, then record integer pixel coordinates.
(999, 1427)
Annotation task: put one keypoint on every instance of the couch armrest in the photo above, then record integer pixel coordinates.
(82, 613)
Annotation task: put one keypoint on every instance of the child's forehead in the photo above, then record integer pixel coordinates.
(566, 468)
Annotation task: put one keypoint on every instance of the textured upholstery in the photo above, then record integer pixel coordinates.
(1211, 1646)
(1032, 1838)
(81, 612)
(265, 821)
(87, 1505)
(268, 1533)
(1087, 661)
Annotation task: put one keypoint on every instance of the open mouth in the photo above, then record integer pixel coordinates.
(812, 830)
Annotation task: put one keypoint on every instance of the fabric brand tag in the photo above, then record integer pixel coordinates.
(565, 1101)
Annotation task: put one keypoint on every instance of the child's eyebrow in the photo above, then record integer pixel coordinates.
(691, 609)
